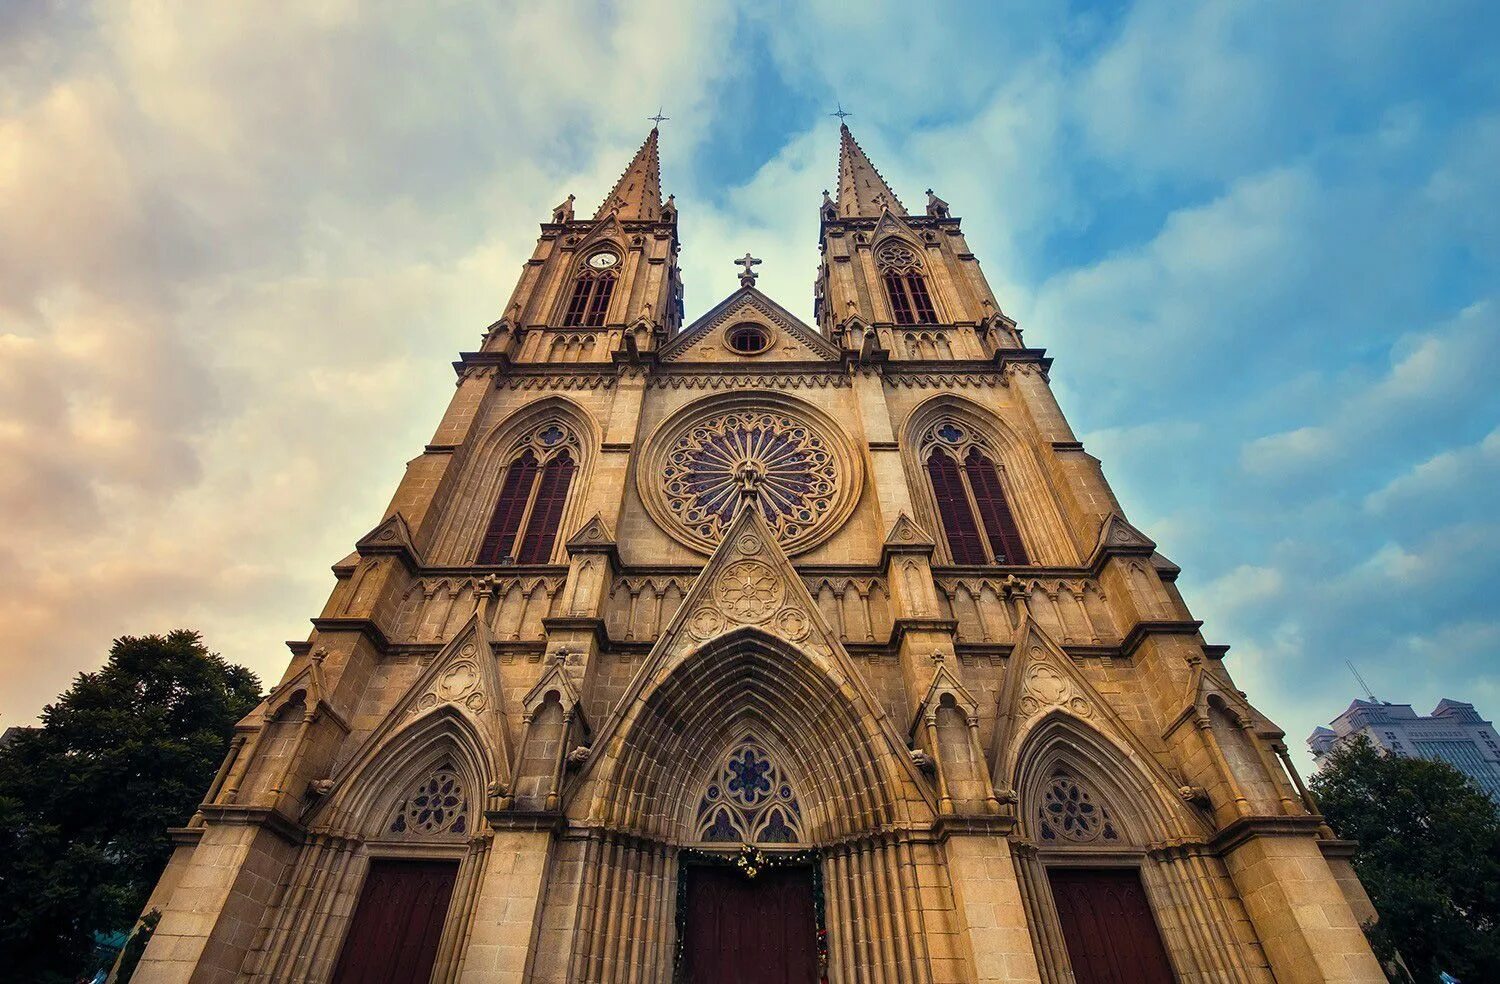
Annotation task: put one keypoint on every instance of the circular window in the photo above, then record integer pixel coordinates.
(748, 339)
(807, 474)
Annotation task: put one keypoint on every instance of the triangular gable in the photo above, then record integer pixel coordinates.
(906, 533)
(594, 534)
(463, 677)
(943, 682)
(702, 340)
(1118, 536)
(1041, 679)
(391, 536)
(749, 582)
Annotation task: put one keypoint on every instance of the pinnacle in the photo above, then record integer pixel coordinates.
(862, 191)
(637, 195)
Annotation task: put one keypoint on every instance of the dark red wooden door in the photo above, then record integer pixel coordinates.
(1107, 924)
(397, 923)
(750, 931)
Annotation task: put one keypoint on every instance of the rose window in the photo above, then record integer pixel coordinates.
(1069, 813)
(436, 805)
(803, 477)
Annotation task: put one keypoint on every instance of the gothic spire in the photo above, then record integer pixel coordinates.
(637, 195)
(862, 191)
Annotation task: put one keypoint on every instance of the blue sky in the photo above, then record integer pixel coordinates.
(240, 245)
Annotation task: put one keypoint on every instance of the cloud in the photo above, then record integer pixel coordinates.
(238, 249)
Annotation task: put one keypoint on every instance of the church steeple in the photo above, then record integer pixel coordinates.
(862, 191)
(637, 195)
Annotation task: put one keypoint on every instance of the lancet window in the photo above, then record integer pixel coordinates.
(966, 483)
(904, 284)
(749, 800)
(435, 805)
(589, 302)
(1069, 813)
(533, 491)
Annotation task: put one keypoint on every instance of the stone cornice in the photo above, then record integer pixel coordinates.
(1236, 833)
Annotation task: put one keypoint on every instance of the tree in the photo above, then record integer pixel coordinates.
(86, 799)
(1429, 855)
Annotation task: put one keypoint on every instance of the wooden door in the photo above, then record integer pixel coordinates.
(398, 921)
(1108, 927)
(750, 931)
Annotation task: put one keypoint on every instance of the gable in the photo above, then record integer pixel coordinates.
(790, 340)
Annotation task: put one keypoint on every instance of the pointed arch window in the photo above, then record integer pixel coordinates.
(533, 493)
(966, 484)
(589, 302)
(749, 800)
(901, 270)
(436, 804)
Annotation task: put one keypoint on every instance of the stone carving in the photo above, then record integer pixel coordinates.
(793, 624)
(705, 623)
(1044, 687)
(749, 591)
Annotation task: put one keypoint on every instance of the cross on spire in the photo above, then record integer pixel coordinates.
(747, 278)
(658, 119)
(840, 113)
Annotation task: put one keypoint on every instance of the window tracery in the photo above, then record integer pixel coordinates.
(901, 269)
(966, 483)
(533, 491)
(435, 805)
(1069, 813)
(592, 290)
(786, 459)
(749, 800)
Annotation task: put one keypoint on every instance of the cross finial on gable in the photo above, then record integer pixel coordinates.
(747, 278)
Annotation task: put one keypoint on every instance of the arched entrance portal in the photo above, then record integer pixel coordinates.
(751, 752)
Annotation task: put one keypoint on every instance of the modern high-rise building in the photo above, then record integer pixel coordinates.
(1453, 733)
(754, 650)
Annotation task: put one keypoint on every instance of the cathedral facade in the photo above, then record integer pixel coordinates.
(751, 650)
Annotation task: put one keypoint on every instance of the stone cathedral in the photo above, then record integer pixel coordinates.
(751, 650)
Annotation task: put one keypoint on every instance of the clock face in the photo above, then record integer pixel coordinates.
(603, 261)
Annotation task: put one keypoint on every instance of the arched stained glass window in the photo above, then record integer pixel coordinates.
(994, 512)
(546, 512)
(589, 302)
(953, 506)
(749, 800)
(970, 495)
(435, 805)
(533, 493)
(1069, 813)
(904, 284)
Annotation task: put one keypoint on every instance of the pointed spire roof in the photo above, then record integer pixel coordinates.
(637, 195)
(862, 191)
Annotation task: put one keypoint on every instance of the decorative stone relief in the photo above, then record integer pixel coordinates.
(1044, 687)
(749, 591)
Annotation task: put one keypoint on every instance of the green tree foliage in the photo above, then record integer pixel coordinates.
(86, 799)
(1429, 855)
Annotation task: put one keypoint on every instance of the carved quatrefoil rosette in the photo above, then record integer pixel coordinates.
(802, 470)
